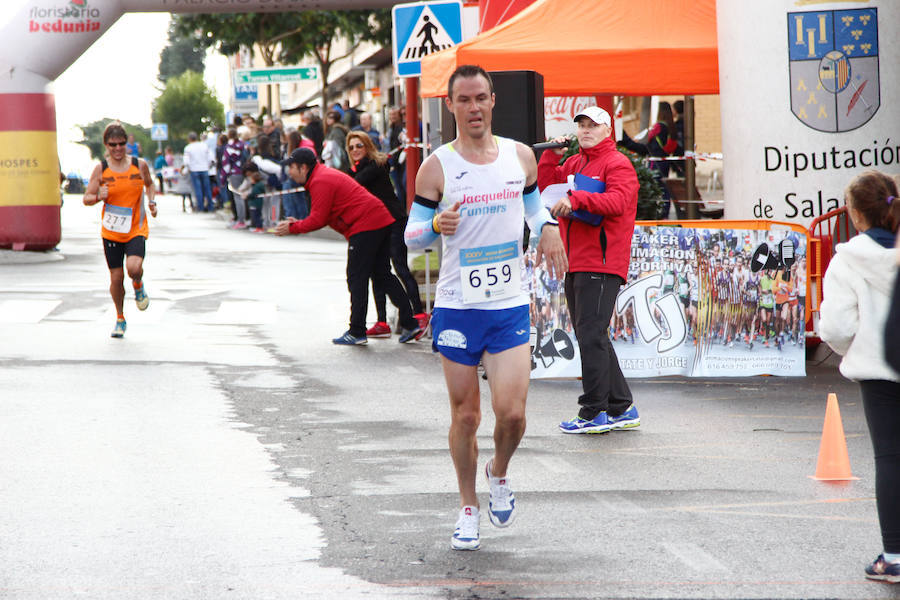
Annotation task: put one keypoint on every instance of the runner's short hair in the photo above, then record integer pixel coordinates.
(114, 130)
(468, 71)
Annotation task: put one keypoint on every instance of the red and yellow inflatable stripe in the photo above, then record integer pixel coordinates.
(29, 172)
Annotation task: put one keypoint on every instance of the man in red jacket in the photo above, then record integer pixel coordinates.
(338, 201)
(598, 254)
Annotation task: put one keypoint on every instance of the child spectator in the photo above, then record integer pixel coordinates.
(857, 296)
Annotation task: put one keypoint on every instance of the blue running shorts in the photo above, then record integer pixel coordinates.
(463, 335)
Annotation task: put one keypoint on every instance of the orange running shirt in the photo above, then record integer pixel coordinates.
(123, 212)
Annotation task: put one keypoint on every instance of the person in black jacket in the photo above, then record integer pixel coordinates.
(371, 170)
(313, 129)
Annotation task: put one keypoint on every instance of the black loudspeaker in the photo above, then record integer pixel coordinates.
(519, 111)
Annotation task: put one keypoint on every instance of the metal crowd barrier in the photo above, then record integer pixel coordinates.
(825, 232)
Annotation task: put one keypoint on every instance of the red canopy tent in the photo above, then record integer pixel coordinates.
(622, 47)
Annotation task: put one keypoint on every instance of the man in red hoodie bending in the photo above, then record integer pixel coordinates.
(599, 251)
(338, 201)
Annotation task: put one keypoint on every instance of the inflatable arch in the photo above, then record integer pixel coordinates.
(36, 46)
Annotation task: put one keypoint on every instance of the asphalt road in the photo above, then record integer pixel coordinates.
(226, 449)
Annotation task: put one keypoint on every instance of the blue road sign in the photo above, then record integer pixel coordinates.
(422, 28)
(159, 132)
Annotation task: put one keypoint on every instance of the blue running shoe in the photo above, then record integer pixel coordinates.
(599, 424)
(465, 536)
(502, 504)
(141, 299)
(119, 330)
(348, 339)
(627, 420)
(882, 570)
(408, 335)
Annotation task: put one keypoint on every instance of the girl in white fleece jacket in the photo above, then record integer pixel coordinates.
(857, 295)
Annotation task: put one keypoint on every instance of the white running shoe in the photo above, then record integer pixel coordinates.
(465, 536)
(502, 505)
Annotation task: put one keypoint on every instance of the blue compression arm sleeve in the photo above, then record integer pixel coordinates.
(419, 234)
(536, 214)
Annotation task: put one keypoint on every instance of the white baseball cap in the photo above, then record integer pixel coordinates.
(595, 114)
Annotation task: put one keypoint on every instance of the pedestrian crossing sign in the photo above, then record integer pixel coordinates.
(421, 28)
(159, 132)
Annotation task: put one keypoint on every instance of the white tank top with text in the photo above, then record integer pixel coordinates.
(482, 264)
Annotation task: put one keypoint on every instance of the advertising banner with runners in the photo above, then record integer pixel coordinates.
(703, 299)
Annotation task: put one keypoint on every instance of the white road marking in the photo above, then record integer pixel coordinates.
(26, 311)
(556, 465)
(242, 313)
(434, 388)
(694, 557)
(616, 504)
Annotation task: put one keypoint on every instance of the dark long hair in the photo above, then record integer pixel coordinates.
(664, 115)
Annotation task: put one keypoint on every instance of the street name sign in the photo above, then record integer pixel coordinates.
(422, 28)
(274, 75)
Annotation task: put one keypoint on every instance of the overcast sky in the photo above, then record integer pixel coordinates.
(130, 51)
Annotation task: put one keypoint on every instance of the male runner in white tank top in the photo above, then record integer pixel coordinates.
(475, 193)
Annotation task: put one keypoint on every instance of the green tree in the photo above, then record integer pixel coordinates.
(92, 138)
(322, 29)
(179, 56)
(286, 38)
(187, 104)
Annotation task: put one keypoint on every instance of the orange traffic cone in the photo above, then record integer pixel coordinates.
(834, 462)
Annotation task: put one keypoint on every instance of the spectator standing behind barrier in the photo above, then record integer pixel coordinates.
(661, 141)
(312, 129)
(333, 153)
(370, 169)
(365, 124)
(158, 165)
(344, 205)
(234, 155)
(856, 298)
(133, 148)
(268, 161)
(271, 132)
(394, 147)
(221, 177)
(293, 205)
(255, 201)
(598, 265)
(349, 116)
(197, 159)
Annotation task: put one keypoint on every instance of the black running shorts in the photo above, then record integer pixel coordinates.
(117, 251)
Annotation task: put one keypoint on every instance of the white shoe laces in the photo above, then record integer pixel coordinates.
(467, 525)
(500, 497)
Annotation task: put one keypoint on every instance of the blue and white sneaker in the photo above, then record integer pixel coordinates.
(348, 339)
(141, 298)
(882, 570)
(502, 504)
(627, 420)
(599, 424)
(465, 536)
(119, 330)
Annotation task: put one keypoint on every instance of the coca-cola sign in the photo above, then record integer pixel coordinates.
(560, 111)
